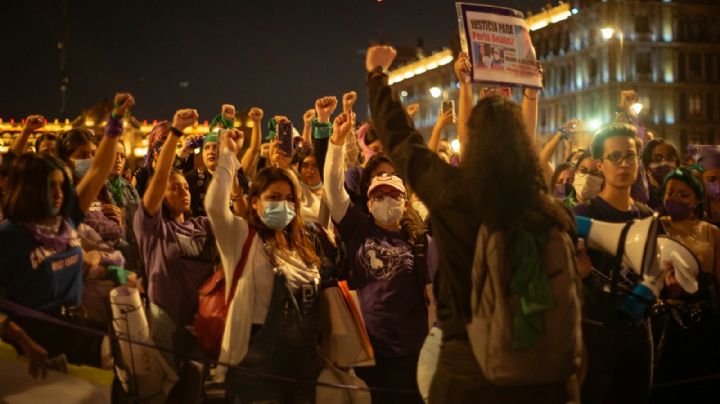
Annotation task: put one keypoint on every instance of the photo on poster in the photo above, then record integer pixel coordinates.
(498, 44)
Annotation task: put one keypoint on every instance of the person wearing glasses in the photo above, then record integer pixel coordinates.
(620, 354)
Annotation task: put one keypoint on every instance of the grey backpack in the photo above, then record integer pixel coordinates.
(557, 355)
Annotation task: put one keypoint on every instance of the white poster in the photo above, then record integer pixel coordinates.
(497, 42)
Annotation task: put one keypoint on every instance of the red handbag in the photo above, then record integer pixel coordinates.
(212, 306)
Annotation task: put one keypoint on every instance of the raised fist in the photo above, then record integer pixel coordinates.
(348, 100)
(232, 140)
(342, 124)
(256, 114)
(184, 118)
(308, 116)
(33, 123)
(122, 102)
(381, 56)
(228, 112)
(412, 109)
(462, 68)
(325, 107)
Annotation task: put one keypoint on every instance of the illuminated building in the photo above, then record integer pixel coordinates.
(668, 51)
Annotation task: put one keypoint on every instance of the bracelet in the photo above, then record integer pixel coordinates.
(175, 131)
(114, 127)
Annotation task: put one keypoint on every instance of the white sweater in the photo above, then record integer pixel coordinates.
(254, 290)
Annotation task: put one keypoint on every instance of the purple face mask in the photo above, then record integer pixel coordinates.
(678, 210)
(660, 172)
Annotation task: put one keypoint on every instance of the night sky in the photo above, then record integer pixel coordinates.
(279, 55)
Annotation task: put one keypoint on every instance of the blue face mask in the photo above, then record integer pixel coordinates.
(82, 166)
(278, 214)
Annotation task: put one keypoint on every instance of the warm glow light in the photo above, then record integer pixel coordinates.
(89, 122)
(420, 67)
(445, 60)
(637, 107)
(607, 32)
(455, 146)
(594, 124)
(140, 151)
(560, 16)
(435, 92)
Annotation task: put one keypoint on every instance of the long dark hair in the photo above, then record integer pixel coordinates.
(295, 235)
(27, 196)
(501, 163)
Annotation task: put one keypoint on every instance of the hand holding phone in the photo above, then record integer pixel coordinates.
(285, 137)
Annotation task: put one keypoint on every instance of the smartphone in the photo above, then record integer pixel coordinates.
(448, 105)
(285, 137)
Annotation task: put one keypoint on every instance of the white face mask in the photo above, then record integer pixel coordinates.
(388, 211)
(587, 186)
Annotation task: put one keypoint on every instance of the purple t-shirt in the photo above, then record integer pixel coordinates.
(382, 270)
(177, 260)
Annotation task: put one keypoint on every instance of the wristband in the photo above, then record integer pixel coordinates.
(114, 126)
(175, 131)
(321, 130)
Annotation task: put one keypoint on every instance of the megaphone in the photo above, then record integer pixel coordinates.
(646, 253)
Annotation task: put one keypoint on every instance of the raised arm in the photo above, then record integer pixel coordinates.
(102, 163)
(465, 101)
(32, 123)
(338, 199)
(308, 117)
(152, 200)
(230, 230)
(548, 150)
(424, 170)
(530, 111)
(256, 114)
(445, 118)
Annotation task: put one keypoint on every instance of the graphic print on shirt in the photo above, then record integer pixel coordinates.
(197, 248)
(382, 260)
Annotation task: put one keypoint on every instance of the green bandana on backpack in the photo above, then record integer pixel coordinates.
(531, 283)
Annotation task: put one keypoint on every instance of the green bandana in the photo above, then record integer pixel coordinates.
(531, 283)
(116, 190)
(220, 120)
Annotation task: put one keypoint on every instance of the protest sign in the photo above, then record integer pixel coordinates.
(497, 42)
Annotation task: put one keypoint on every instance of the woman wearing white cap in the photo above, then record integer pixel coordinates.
(391, 289)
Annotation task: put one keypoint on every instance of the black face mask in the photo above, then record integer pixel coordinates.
(562, 190)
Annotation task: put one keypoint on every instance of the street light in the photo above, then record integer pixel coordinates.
(607, 32)
(435, 92)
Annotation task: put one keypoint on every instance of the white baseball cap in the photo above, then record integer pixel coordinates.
(386, 179)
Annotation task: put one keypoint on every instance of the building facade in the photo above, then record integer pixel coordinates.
(668, 51)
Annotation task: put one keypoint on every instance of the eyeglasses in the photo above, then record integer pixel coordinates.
(380, 195)
(616, 158)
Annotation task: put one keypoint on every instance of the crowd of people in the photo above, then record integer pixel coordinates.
(371, 204)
